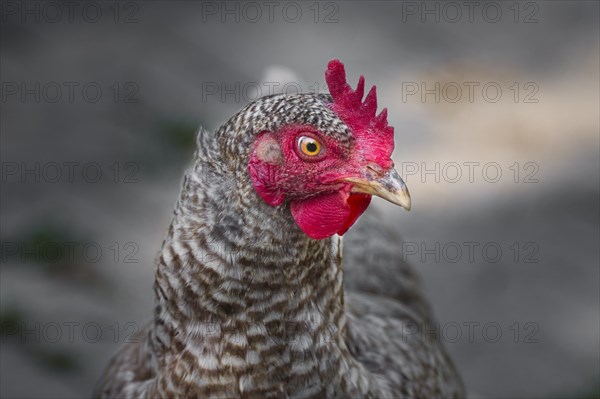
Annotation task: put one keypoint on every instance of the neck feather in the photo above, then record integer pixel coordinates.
(237, 274)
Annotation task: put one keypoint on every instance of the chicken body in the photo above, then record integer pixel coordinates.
(249, 306)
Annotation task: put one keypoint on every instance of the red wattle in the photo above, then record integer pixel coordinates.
(327, 214)
(358, 203)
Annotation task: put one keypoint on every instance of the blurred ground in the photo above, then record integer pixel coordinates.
(504, 228)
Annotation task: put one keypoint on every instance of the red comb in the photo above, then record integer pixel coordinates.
(348, 103)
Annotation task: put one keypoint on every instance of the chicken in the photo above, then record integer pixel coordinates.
(252, 300)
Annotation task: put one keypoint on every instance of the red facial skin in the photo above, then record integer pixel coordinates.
(320, 202)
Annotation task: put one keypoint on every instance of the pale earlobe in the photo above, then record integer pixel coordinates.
(268, 151)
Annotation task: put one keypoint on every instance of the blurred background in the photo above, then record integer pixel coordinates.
(496, 110)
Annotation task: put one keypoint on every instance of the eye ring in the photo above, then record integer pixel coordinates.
(309, 147)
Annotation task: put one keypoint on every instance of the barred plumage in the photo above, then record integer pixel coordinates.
(247, 305)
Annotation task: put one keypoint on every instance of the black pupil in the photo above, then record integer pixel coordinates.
(311, 147)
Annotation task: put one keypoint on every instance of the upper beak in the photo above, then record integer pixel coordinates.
(390, 187)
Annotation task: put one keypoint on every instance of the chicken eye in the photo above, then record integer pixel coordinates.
(309, 146)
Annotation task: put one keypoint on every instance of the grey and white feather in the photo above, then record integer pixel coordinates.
(248, 306)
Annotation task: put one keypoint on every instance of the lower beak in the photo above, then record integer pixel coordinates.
(390, 187)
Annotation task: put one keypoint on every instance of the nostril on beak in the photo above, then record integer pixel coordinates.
(375, 170)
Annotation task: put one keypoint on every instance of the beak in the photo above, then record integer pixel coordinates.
(390, 187)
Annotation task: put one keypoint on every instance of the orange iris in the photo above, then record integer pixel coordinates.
(309, 146)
